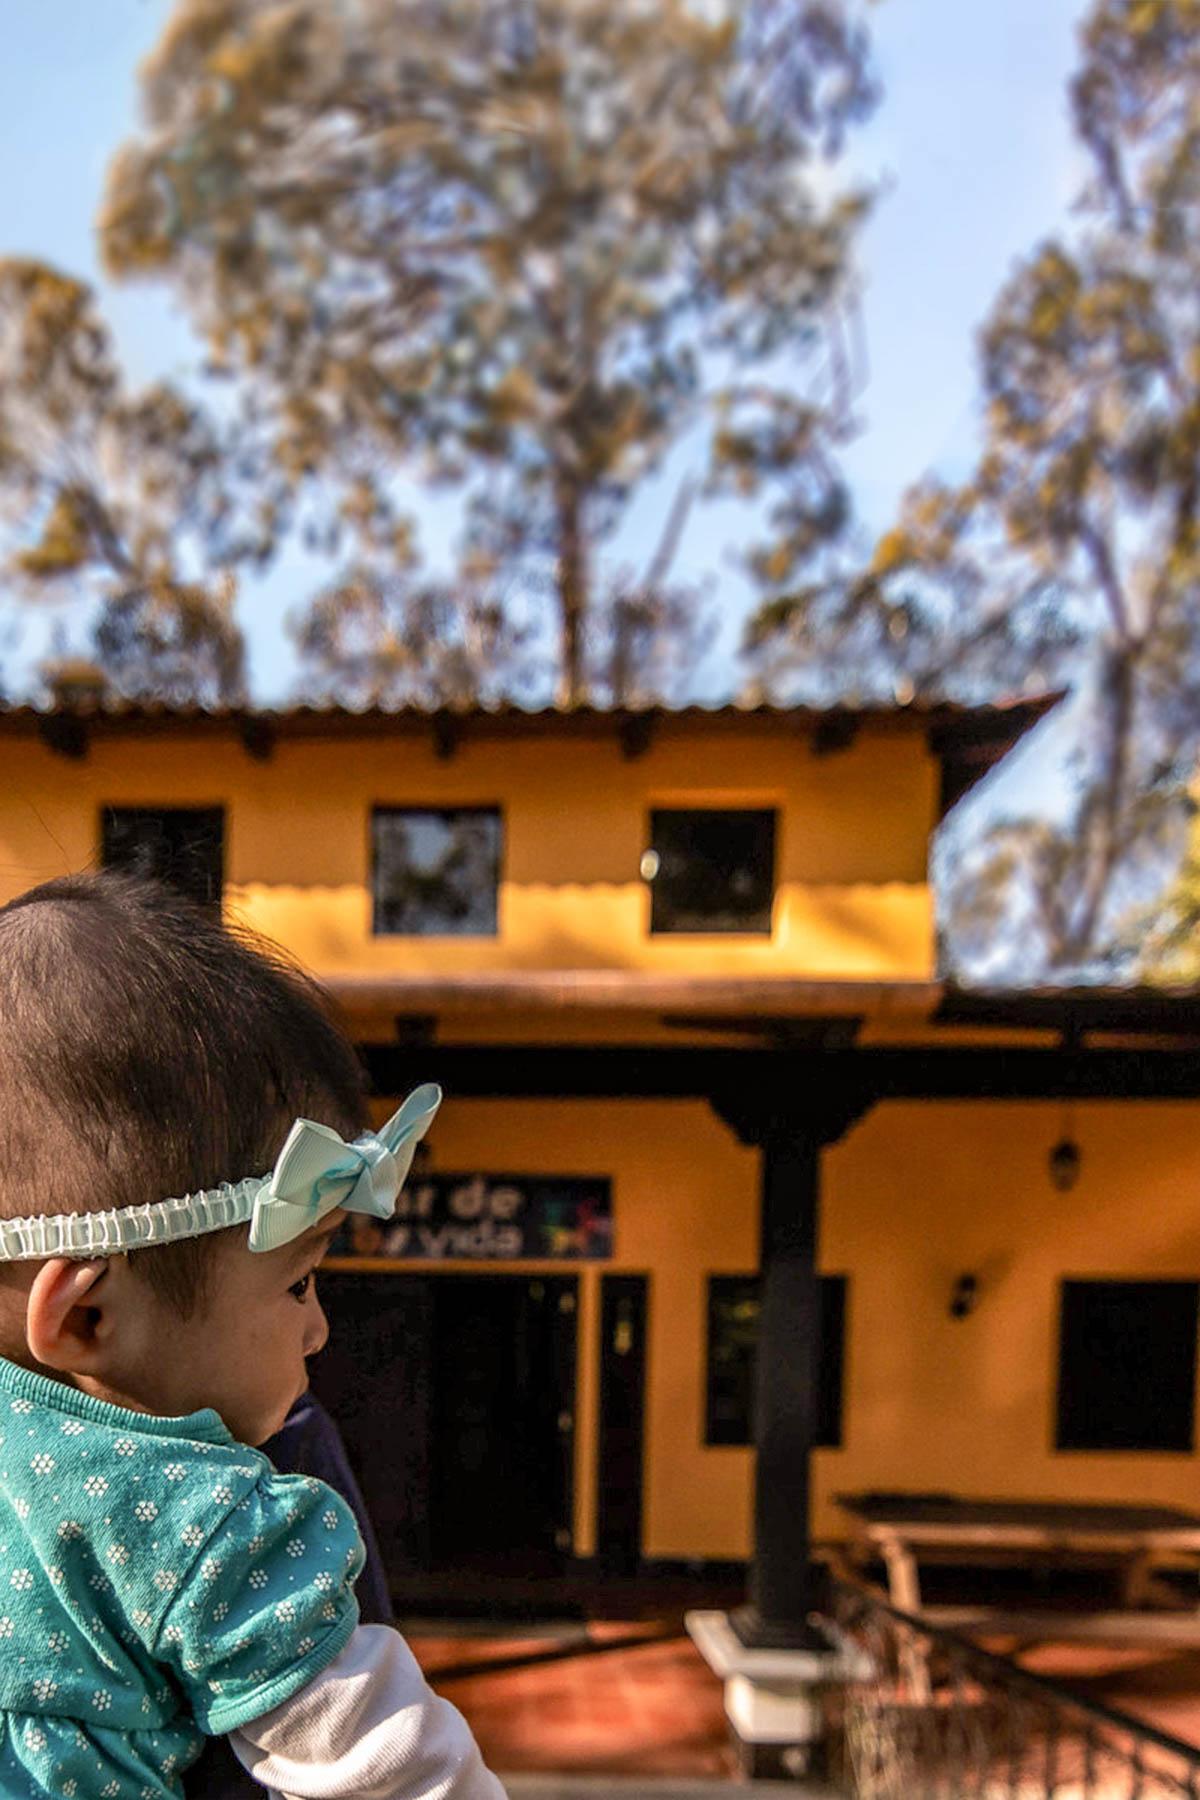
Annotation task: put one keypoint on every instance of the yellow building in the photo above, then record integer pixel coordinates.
(676, 974)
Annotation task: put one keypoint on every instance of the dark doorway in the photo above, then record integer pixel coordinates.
(503, 1422)
(455, 1394)
(623, 1307)
(374, 1375)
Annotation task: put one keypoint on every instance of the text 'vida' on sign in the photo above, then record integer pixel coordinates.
(491, 1217)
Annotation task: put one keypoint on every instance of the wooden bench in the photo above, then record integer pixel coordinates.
(905, 1530)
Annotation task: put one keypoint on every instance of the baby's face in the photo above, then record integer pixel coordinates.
(245, 1353)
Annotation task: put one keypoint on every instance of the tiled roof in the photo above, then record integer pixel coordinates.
(306, 717)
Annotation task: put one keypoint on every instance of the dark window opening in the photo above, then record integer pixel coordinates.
(181, 846)
(1127, 1365)
(733, 1309)
(711, 870)
(435, 873)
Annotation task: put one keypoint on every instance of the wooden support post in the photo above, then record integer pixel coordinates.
(791, 1121)
(782, 1593)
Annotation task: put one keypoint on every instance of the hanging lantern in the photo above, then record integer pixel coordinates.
(1066, 1158)
(1064, 1161)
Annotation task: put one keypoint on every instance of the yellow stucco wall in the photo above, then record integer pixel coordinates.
(915, 1196)
(852, 897)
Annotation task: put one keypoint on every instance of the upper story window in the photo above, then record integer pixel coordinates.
(712, 869)
(1127, 1365)
(435, 872)
(182, 846)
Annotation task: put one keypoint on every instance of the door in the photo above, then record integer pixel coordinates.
(623, 1310)
(374, 1377)
(503, 1387)
(455, 1396)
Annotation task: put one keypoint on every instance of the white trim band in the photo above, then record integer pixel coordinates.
(111, 1233)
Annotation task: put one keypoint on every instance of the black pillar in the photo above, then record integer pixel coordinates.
(782, 1591)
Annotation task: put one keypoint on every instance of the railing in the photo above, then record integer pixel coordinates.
(934, 1717)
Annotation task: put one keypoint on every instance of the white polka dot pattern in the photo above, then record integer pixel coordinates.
(136, 1564)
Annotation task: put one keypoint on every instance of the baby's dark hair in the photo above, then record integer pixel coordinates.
(148, 1051)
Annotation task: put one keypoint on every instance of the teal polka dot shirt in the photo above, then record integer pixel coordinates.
(158, 1580)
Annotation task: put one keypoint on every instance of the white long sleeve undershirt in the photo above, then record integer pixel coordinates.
(369, 1727)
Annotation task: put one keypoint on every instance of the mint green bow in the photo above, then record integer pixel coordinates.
(317, 1171)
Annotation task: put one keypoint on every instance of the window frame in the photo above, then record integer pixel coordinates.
(768, 806)
(488, 807)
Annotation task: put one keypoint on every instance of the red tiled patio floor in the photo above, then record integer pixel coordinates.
(651, 1708)
(1161, 1686)
(560, 1702)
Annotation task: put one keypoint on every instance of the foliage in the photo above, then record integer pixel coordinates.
(521, 247)
(380, 639)
(115, 494)
(1071, 554)
(1165, 939)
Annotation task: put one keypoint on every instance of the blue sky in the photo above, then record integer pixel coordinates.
(971, 143)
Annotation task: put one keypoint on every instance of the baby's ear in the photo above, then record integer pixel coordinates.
(63, 1320)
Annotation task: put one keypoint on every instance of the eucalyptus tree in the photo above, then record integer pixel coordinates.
(1071, 554)
(115, 497)
(525, 248)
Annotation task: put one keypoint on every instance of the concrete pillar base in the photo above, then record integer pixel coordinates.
(775, 1698)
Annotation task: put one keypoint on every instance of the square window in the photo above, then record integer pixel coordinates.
(1127, 1365)
(733, 1309)
(711, 870)
(181, 846)
(435, 872)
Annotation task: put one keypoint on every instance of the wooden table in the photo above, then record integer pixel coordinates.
(905, 1529)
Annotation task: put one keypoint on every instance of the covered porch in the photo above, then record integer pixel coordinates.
(789, 1069)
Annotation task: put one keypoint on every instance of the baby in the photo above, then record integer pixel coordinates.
(158, 1578)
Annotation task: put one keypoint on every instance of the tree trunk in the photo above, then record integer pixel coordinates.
(572, 591)
(1104, 844)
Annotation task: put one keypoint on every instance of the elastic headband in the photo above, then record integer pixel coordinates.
(315, 1172)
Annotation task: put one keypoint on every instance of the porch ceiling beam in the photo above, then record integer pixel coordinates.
(786, 1085)
(1072, 1073)
(755, 1001)
(771, 1033)
(1173, 1013)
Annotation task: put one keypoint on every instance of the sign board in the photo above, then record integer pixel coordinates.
(491, 1218)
